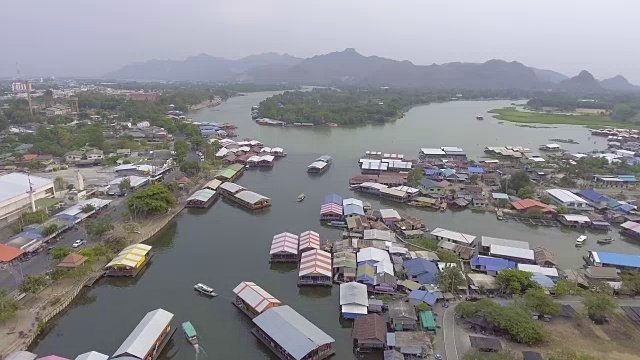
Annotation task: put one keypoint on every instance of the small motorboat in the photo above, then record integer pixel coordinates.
(443, 206)
(338, 224)
(479, 117)
(580, 241)
(301, 197)
(204, 289)
(190, 333)
(608, 240)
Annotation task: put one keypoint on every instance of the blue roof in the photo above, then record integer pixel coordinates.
(428, 183)
(543, 280)
(616, 259)
(431, 171)
(447, 172)
(500, 196)
(423, 295)
(492, 264)
(333, 198)
(592, 195)
(425, 271)
(391, 339)
(626, 207)
(628, 178)
(351, 209)
(475, 169)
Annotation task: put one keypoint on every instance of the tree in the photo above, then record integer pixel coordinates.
(527, 192)
(534, 213)
(98, 227)
(567, 181)
(517, 181)
(59, 183)
(447, 256)
(33, 284)
(451, 278)
(50, 229)
(546, 199)
(422, 307)
(8, 306)
(190, 168)
(563, 287)
(88, 208)
(630, 282)
(415, 175)
(599, 305)
(562, 210)
(60, 252)
(124, 186)
(474, 178)
(516, 282)
(537, 301)
(622, 112)
(181, 148)
(154, 200)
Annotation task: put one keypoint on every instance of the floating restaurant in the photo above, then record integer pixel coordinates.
(148, 338)
(261, 161)
(253, 300)
(290, 336)
(251, 200)
(201, 199)
(315, 268)
(231, 173)
(230, 189)
(331, 212)
(129, 261)
(213, 185)
(284, 248)
(317, 167)
(309, 240)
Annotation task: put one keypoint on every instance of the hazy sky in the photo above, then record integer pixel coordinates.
(87, 37)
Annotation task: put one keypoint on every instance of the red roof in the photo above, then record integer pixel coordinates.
(8, 253)
(29, 157)
(526, 204)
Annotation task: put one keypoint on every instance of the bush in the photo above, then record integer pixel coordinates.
(50, 229)
(36, 217)
(33, 284)
(8, 306)
(60, 252)
(88, 208)
(429, 244)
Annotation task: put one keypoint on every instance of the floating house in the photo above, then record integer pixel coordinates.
(568, 199)
(417, 297)
(526, 205)
(453, 236)
(213, 185)
(309, 240)
(231, 173)
(230, 189)
(389, 216)
(284, 248)
(317, 167)
(201, 199)
(331, 212)
(251, 200)
(616, 260)
(344, 266)
(253, 300)
(491, 265)
(354, 301)
(487, 241)
(291, 336)
(370, 332)
(574, 220)
(631, 229)
(315, 268)
(519, 255)
(427, 321)
(92, 355)
(129, 261)
(148, 338)
(544, 257)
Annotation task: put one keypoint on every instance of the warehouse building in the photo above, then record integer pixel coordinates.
(15, 196)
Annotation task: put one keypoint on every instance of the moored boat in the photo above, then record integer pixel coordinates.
(608, 240)
(338, 224)
(190, 332)
(479, 117)
(581, 240)
(443, 206)
(204, 289)
(301, 197)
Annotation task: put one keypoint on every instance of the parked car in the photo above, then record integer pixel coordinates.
(78, 243)
(472, 298)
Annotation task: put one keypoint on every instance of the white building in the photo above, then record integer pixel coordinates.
(518, 255)
(14, 194)
(453, 236)
(568, 199)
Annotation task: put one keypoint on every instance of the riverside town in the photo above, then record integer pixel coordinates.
(336, 206)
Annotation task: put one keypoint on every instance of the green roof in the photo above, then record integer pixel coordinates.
(227, 174)
(189, 330)
(46, 202)
(427, 321)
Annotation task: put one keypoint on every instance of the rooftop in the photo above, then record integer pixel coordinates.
(488, 241)
(453, 235)
(616, 259)
(16, 184)
(564, 196)
(512, 252)
(144, 336)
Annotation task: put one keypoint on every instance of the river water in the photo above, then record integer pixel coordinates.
(225, 245)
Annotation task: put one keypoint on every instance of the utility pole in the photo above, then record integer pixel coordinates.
(31, 198)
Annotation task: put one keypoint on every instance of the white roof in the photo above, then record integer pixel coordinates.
(451, 149)
(576, 218)
(378, 256)
(92, 355)
(284, 242)
(354, 309)
(511, 252)
(376, 234)
(565, 196)
(354, 293)
(488, 241)
(16, 184)
(353, 201)
(552, 146)
(144, 336)
(372, 185)
(250, 196)
(77, 208)
(265, 149)
(134, 180)
(407, 189)
(453, 235)
(254, 295)
(244, 148)
(254, 158)
(318, 164)
(222, 152)
(537, 269)
(432, 151)
(309, 239)
(315, 262)
(277, 149)
(389, 214)
(231, 187)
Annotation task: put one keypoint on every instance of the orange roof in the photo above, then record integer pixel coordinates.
(29, 157)
(526, 204)
(8, 253)
(72, 260)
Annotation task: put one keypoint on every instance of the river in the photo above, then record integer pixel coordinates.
(225, 245)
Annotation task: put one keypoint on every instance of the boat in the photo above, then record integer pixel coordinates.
(443, 206)
(608, 240)
(301, 197)
(338, 224)
(204, 289)
(580, 241)
(479, 117)
(190, 333)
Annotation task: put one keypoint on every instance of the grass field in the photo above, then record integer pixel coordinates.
(592, 121)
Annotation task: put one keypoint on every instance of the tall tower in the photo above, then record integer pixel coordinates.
(73, 103)
(79, 183)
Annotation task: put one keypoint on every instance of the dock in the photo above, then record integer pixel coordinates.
(529, 221)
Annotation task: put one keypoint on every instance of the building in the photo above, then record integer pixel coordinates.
(402, 316)
(344, 266)
(284, 248)
(253, 300)
(417, 297)
(309, 240)
(201, 199)
(482, 282)
(92, 355)
(599, 273)
(95, 155)
(354, 301)
(573, 220)
(453, 236)
(129, 261)
(369, 332)
(568, 199)
(427, 321)
(462, 251)
(487, 241)
(526, 205)
(616, 260)
(544, 257)
(389, 216)
(432, 188)
(15, 196)
(421, 271)
(491, 265)
(413, 344)
(291, 336)
(331, 212)
(315, 268)
(251, 200)
(551, 272)
(485, 344)
(148, 338)
(518, 255)
(631, 229)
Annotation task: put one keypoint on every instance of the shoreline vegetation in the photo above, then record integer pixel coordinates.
(512, 114)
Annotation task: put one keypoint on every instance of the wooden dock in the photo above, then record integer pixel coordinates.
(529, 221)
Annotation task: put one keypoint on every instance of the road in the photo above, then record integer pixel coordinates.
(11, 279)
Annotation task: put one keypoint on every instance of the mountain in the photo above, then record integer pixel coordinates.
(584, 82)
(618, 83)
(549, 75)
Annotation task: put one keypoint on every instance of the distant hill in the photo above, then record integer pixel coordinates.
(549, 75)
(582, 83)
(618, 83)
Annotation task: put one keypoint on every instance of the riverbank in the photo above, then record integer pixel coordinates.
(512, 114)
(204, 104)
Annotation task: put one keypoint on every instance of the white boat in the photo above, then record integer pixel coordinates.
(204, 289)
(301, 197)
(580, 241)
(479, 117)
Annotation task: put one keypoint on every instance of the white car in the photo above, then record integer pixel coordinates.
(78, 243)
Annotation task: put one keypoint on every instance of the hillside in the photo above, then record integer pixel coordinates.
(582, 83)
(618, 83)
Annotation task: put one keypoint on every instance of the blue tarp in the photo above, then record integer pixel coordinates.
(424, 296)
(333, 198)
(431, 172)
(447, 172)
(422, 270)
(593, 196)
(492, 263)
(543, 280)
(616, 259)
(475, 169)
(66, 218)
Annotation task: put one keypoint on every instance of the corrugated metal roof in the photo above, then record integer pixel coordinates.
(17, 184)
(202, 195)
(331, 208)
(231, 187)
(315, 262)
(565, 196)
(92, 355)
(382, 235)
(309, 239)
(453, 235)
(488, 241)
(255, 296)
(250, 196)
(144, 336)
(389, 214)
(352, 201)
(511, 252)
(353, 209)
(333, 198)
(318, 165)
(284, 242)
(354, 293)
(616, 259)
(295, 334)
(21, 355)
(536, 269)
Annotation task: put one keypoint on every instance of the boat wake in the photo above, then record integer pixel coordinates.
(199, 349)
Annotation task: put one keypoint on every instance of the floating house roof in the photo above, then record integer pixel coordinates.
(511, 252)
(564, 196)
(131, 256)
(616, 259)
(492, 263)
(331, 208)
(92, 355)
(21, 355)
(250, 196)
(309, 240)
(284, 243)
(202, 195)
(353, 293)
(487, 241)
(295, 334)
(145, 335)
(318, 165)
(333, 198)
(353, 209)
(352, 201)
(231, 187)
(315, 262)
(255, 296)
(536, 269)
